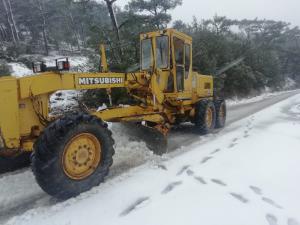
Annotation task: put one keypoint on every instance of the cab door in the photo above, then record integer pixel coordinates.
(182, 64)
(188, 67)
(179, 63)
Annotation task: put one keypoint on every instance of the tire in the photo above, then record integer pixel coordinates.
(51, 150)
(201, 112)
(9, 164)
(221, 113)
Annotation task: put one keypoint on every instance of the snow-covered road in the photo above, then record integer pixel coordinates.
(244, 174)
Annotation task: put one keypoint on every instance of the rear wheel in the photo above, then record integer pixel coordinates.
(205, 116)
(72, 155)
(221, 112)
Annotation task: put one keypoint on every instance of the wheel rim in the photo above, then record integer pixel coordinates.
(81, 156)
(209, 117)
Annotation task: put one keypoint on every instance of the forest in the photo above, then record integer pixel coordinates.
(248, 56)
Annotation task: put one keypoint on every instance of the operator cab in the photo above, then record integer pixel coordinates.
(168, 53)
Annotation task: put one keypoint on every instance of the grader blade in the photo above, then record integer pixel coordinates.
(155, 140)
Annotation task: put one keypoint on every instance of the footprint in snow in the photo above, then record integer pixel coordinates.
(272, 220)
(292, 221)
(184, 168)
(246, 133)
(163, 167)
(239, 197)
(256, 190)
(219, 182)
(190, 172)
(235, 140)
(171, 187)
(215, 151)
(232, 145)
(138, 203)
(271, 202)
(205, 159)
(249, 124)
(200, 179)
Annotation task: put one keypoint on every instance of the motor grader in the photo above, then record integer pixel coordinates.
(72, 153)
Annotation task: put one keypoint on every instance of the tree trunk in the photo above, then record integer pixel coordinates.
(114, 58)
(155, 16)
(83, 35)
(75, 30)
(113, 18)
(3, 33)
(13, 21)
(9, 22)
(44, 25)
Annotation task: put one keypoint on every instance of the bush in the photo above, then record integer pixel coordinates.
(240, 81)
(15, 51)
(97, 97)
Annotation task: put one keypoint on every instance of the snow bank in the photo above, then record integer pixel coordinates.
(246, 174)
(295, 109)
(266, 95)
(19, 69)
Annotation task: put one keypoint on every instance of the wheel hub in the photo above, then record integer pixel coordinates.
(81, 156)
(209, 117)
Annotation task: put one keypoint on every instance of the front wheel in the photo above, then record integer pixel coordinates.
(205, 116)
(72, 155)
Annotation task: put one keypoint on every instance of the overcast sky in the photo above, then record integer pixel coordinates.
(286, 10)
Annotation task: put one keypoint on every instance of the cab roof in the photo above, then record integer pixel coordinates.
(168, 31)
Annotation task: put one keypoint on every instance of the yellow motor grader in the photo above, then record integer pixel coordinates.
(72, 153)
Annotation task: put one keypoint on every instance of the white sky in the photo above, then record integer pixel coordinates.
(286, 10)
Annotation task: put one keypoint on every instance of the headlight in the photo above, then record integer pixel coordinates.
(62, 64)
(39, 67)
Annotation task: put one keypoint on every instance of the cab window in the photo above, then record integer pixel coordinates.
(179, 51)
(162, 52)
(146, 54)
